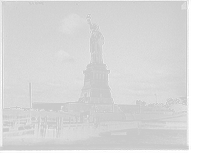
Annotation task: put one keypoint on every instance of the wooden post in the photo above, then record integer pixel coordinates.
(35, 127)
(76, 129)
(58, 131)
(39, 126)
(138, 128)
(44, 123)
(30, 100)
(54, 132)
(46, 132)
(57, 127)
(44, 128)
(61, 126)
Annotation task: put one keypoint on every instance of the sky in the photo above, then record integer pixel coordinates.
(47, 44)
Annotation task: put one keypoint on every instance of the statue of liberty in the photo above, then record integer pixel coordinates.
(96, 42)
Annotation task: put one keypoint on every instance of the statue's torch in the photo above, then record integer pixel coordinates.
(89, 18)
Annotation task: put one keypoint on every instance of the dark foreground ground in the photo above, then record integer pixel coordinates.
(146, 139)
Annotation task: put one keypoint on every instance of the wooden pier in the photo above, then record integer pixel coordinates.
(69, 126)
(60, 128)
(45, 127)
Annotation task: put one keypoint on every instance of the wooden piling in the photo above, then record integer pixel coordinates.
(61, 127)
(81, 131)
(54, 133)
(138, 128)
(66, 130)
(57, 127)
(45, 127)
(38, 127)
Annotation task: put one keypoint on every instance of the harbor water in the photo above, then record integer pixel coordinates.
(145, 139)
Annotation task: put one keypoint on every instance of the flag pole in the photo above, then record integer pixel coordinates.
(30, 99)
(156, 98)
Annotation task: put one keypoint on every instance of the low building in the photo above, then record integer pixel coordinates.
(75, 107)
(104, 107)
(144, 109)
(15, 108)
(84, 115)
(130, 108)
(155, 110)
(47, 106)
(70, 107)
(107, 107)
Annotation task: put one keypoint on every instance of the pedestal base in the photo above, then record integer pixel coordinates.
(96, 88)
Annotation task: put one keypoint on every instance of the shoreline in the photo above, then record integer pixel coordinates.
(146, 140)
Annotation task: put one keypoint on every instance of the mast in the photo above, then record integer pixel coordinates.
(30, 100)
(30, 94)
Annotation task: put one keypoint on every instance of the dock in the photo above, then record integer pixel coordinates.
(44, 127)
(61, 127)
(18, 124)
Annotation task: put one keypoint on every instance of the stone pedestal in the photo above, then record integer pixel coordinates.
(96, 89)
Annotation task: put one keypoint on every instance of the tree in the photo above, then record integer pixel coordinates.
(175, 105)
(140, 103)
(169, 102)
(183, 100)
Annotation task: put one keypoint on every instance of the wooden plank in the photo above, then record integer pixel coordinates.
(18, 118)
(61, 127)
(57, 127)
(18, 133)
(39, 126)
(45, 127)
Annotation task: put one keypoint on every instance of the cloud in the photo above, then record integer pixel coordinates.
(72, 24)
(63, 57)
(184, 6)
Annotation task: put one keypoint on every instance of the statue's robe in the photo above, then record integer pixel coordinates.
(96, 43)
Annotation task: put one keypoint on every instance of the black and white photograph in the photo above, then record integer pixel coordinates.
(95, 75)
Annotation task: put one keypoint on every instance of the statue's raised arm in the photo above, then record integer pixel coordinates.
(89, 20)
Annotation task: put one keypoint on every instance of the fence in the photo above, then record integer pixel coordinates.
(44, 127)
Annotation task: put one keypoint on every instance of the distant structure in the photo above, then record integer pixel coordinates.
(130, 108)
(95, 99)
(70, 107)
(154, 110)
(96, 89)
